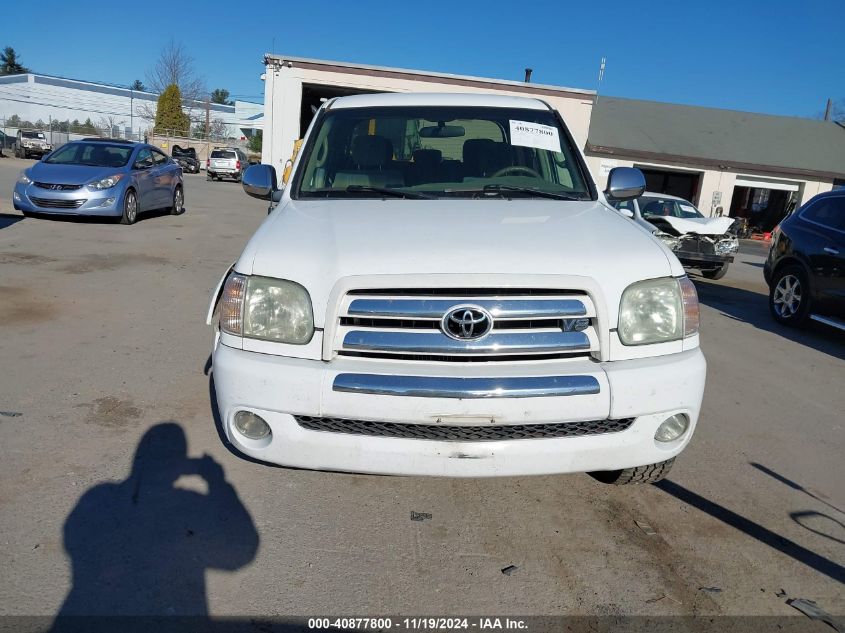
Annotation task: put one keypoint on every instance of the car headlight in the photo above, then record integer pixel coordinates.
(670, 240)
(105, 183)
(24, 179)
(727, 245)
(657, 311)
(266, 308)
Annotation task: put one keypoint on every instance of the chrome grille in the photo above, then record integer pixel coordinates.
(51, 203)
(487, 433)
(528, 324)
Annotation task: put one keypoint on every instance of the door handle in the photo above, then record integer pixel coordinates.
(832, 251)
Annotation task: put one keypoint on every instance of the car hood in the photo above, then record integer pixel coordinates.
(701, 226)
(444, 242)
(69, 174)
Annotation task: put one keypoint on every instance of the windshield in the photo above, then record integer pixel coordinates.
(91, 154)
(33, 135)
(655, 207)
(432, 152)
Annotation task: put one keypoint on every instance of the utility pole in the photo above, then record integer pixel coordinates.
(131, 111)
(827, 109)
(51, 128)
(207, 115)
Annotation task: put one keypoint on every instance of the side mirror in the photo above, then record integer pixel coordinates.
(259, 181)
(625, 183)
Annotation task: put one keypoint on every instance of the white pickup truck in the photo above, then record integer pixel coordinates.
(442, 290)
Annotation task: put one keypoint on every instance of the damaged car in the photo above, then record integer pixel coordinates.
(701, 243)
(187, 159)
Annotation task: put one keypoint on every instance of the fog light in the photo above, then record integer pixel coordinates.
(16, 196)
(672, 428)
(251, 425)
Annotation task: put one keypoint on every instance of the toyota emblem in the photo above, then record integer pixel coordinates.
(466, 323)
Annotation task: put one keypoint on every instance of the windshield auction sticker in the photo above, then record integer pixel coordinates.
(527, 134)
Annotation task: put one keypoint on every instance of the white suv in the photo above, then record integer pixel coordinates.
(226, 162)
(441, 290)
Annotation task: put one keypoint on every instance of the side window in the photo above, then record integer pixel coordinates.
(829, 212)
(144, 159)
(159, 158)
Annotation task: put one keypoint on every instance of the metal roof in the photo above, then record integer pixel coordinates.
(714, 137)
(425, 75)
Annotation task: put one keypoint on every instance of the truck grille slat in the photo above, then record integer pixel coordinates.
(487, 433)
(403, 342)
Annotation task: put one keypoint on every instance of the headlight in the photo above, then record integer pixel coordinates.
(670, 240)
(24, 179)
(105, 183)
(657, 311)
(727, 246)
(266, 308)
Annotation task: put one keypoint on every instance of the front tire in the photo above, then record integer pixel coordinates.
(716, 273)
(789, 296)
(178, 206)
(130, 208)
(649, 474)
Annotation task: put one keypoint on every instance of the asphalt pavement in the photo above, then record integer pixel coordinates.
(104, 363)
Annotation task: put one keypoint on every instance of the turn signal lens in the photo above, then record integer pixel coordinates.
(692, 319)
(232, 305)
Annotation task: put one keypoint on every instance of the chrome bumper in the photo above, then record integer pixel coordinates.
(465, 388)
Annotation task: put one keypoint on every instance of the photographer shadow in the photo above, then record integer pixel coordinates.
(141, 546)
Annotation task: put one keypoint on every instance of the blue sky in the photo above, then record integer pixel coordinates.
(773, 56)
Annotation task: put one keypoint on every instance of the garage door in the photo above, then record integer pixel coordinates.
(675, 183)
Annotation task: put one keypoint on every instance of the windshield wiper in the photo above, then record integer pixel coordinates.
(497, 188)
(387, 191)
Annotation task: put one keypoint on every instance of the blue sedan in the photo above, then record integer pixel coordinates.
(101, 177)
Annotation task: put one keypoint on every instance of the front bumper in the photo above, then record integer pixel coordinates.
(692, 259)
(278, 388)
(31, 199)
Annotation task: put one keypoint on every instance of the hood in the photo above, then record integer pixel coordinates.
(701, 226)
(444, 242)
(69, 174)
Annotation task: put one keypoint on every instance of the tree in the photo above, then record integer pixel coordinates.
(109, 122)
(176, 66)
(217, 128)
(221, 95)
(256, 141)
(9, 64)
(170, 118)
(88, 128)
(138, 85)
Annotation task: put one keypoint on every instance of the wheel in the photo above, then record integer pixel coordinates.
(649, 474)
(716, 273)
(178, 206)
(208, 177)
(130, 208)
(789, 296)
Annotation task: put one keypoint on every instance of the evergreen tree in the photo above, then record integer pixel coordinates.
(170, 119)
(9, 64)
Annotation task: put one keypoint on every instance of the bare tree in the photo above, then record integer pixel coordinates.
(176, 66)
(107, 123)
(218, 129)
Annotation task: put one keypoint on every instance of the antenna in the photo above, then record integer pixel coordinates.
(602, 66)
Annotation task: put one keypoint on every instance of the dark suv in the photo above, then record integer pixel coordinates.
(805, 268)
